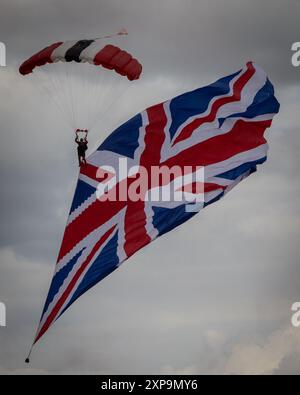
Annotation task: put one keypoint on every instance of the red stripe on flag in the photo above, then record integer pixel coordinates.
(90, 171)
(244, 136)
(154, 137)
(136, 235)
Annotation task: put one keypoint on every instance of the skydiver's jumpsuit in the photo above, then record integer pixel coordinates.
(81, 150)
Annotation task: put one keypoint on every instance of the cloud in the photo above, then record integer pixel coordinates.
(267, 358)
(277, 354)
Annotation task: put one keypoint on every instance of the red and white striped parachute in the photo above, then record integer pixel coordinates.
(91, 51)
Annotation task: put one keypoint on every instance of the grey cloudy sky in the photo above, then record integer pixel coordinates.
(215, 295)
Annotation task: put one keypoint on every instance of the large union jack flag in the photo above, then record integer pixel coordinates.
(219, 127)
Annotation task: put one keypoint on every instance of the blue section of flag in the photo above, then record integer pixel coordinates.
(82, 193)
(124, 140)
(242, 169)
(166, 219)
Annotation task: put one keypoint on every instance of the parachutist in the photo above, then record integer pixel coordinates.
(82, 146)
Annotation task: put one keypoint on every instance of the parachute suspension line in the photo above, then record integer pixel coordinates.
(43, 89)
(97, 99)
(90, 102)
(57, 77)
(58, 92)
(54, 97)
(83, 114)
(99, 94)
(90, 99)
(60, 79)
(103, 114)
(118, 88)
(87, 88)
(80, 91)
(69, 85)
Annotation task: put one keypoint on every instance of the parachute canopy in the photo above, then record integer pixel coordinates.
(90, 51)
